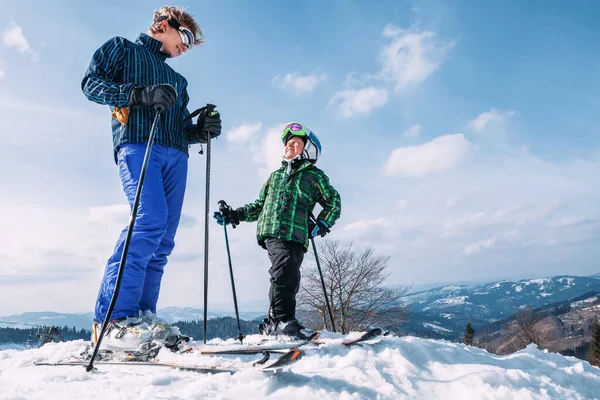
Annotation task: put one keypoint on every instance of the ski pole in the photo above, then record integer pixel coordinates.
(209, 109)
(235, 303)
(136, 204)
(312, 239)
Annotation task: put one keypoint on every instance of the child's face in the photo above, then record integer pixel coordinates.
(293, 147)
(171, 40)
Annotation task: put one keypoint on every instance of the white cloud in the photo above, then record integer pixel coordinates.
(477, 247)
(13, 37)
(367, 224)
(299, 83)
(263, 145)
(441, 154)
(487, 118)
(118, 213)
(268, 157)
(413, 132)
(243, 133)
(411, 57)
(359, 102)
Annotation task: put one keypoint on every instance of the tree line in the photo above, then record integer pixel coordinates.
(33, 335)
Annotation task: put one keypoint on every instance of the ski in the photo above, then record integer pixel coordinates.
(195, 368)
(286, 359)
(368, 335)
(256, 349)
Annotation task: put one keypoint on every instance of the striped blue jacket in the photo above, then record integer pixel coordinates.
(116, 68)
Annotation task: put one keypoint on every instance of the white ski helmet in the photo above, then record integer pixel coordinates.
(312, 145)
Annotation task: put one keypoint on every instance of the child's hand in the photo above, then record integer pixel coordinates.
(320, 228)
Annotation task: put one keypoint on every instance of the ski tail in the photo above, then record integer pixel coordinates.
(368, 335)
(288, 358)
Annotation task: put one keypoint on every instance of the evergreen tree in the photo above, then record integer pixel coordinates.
(469, 334)
(594, 357)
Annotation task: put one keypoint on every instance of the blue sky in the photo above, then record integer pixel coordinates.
(462, 136)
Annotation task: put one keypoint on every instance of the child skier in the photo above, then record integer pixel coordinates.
(283, 212)
(135, 81)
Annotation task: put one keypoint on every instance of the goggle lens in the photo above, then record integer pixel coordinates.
(187, 37)
(293, 128)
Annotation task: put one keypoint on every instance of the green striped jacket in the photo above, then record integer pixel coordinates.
(286, 201)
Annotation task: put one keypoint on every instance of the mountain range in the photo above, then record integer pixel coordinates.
(441, 312)
(84, 320)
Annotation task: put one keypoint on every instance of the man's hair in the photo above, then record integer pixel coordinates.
(182, 17)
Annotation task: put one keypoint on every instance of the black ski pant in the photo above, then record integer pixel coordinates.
(286, 258)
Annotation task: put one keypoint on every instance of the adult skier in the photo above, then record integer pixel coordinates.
(134, 79)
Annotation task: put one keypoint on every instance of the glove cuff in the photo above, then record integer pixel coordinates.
(240, 213)
(134, 95)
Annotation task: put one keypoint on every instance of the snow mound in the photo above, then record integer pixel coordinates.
(389, 368)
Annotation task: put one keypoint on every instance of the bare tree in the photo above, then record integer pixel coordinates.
(354, 281)
(522, 331)
(527, 331)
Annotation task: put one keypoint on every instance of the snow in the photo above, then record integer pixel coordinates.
(540, 282)
(391, 368)
(436, 327)
(452, 300)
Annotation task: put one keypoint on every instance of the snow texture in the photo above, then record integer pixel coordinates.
(389, 368)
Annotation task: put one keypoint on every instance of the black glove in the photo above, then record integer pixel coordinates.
(161, 97)
(229, 215)
(209, 122)
(319, 228)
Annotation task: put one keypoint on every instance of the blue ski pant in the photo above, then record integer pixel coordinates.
(153, 236)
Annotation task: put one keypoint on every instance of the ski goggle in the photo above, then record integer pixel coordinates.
(294, 128)
(187, 37)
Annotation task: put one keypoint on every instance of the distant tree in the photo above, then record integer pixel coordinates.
(469, 335)
(355, 283)
(526, 330)
(594, 355)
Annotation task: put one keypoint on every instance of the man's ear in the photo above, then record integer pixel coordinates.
(163, 25)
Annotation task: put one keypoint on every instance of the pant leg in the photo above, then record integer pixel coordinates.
(174, 183)
(150, 226)
(286, 259)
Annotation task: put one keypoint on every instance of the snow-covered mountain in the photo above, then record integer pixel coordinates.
(393, 368)
(441, 312)
(84, 320)
(175, 314)
(49, 318)
(444, 311)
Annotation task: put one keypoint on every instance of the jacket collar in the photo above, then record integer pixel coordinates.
(294, 165)
(153, 45)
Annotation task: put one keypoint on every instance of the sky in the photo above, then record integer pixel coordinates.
(462, 136)
(393, 368)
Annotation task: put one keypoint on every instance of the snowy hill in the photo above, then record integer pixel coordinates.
(392, 368)
(444, 311)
